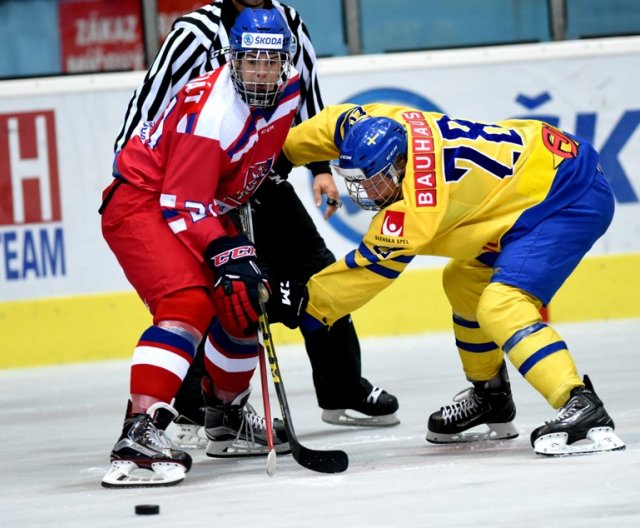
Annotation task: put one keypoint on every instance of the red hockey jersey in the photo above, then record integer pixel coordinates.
(207, 154)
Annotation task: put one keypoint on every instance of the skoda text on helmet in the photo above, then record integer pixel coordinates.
(372, 161)
(260, 56)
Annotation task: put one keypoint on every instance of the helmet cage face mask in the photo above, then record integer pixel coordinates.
(377, 191)
(373, 157)
(260, 76)
(260, 45)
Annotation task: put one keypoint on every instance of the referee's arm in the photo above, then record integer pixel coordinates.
(305, 62)
(179, 60)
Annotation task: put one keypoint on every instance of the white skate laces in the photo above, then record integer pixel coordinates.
(472, 418)
(374, 395)
(186, 434)
(465, 404)
(231, 435)
(158, 439)
(253, 421)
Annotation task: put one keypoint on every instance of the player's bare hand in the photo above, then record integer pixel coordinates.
(323, 183)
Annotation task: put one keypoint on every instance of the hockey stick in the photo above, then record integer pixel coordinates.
(271, 457)
(247, 226)
(331, 461)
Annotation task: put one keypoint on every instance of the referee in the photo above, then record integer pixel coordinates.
(286, 239)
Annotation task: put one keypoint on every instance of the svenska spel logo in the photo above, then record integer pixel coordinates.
(31, 244)
(393, 224)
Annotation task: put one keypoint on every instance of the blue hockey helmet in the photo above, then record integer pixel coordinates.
(260, 42)
(372, 161)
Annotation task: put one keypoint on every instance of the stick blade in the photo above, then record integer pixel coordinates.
(271, 462)
(332, 461)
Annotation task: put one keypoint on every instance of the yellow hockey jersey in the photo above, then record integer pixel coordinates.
(466, 184)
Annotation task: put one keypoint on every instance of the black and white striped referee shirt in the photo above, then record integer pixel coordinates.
(198, 43)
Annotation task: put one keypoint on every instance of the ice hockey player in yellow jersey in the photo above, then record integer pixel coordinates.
(515, 205)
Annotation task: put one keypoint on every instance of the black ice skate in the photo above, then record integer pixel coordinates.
(236, 430)
(143, 455)
(582, 426)
(487, 403)
(376, 408)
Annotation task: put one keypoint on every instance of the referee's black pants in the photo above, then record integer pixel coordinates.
(289, 246)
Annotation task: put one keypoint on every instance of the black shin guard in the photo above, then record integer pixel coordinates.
(335, 360)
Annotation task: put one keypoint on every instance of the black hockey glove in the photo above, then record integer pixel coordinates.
(237, 284)
(287, 303)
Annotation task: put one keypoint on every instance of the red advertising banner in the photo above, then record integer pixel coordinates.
(169, 10)
(101, 35)
(29, 168)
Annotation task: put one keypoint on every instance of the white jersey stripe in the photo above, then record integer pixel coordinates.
(240, 364)
(158, 357)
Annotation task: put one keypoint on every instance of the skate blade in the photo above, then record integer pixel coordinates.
(187, 436)
(242, 448)
(342, 417)
(496, 431)
(126, 474)
(602, 439)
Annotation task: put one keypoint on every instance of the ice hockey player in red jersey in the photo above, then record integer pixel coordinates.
(167, 217)
(198, 43)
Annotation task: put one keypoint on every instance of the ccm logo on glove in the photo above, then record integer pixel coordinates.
(237, 286)
(233, 254)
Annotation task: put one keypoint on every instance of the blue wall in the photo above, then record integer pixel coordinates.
(404, 25)
(600, 18)
(29, 40)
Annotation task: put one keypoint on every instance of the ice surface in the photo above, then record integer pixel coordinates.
(59, 424)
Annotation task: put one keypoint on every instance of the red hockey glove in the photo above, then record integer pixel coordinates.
(237, 282)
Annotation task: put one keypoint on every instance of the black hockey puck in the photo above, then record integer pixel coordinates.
(147, 509)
